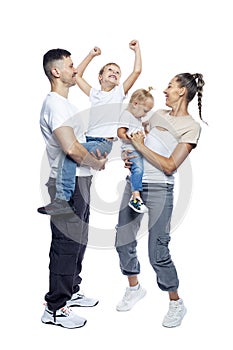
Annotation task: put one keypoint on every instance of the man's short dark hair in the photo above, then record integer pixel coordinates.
(50, 57)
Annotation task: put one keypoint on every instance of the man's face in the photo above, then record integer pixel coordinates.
(67, 72)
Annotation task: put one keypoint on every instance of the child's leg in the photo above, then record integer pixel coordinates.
(100, 143)
(136, 202)
(136, 174)
(65, 182)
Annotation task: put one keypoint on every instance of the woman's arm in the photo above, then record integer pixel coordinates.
(167, 165)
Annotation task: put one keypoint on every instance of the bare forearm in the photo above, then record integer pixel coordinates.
(80, 155)
(166, 164)
(70, 145)
(138, 62)
(83, 65)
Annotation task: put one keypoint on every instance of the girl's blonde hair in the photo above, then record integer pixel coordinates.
(141, 95)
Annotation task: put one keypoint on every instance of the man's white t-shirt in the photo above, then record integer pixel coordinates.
(56, 112)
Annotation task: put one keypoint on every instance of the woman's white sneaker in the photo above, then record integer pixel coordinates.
(130, 298)
(175, 314)
(63, 317)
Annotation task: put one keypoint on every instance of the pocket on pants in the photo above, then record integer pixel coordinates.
(162, 251)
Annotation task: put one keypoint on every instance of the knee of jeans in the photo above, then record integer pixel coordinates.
(160, 254)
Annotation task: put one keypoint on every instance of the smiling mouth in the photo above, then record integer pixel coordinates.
(113, 76)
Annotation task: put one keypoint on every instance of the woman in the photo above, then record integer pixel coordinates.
(172, 135)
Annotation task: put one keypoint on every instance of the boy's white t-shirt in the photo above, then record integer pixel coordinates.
(105, 112)
(57, 111)
(133, 124)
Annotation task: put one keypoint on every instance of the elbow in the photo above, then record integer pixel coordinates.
(169, 168)
(138, 71)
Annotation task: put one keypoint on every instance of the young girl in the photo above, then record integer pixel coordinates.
(141, 102)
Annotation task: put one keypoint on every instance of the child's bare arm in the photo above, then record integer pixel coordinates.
(122, 134)
(82, 83)
(128, 83)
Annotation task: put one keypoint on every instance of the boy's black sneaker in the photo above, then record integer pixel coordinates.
(57, 207)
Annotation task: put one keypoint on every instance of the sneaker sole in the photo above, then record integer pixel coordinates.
(60, 325)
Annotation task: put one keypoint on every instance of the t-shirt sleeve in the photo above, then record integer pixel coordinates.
(57, 116)
(191, 136)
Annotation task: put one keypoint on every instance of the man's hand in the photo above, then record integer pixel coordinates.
(102, 159)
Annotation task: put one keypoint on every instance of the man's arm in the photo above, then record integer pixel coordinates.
(71, 146)
(82, 83)
(128, 83)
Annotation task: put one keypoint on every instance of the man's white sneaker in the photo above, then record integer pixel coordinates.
(175, 314)
(79, 299)
(130, 298)
(63, 317)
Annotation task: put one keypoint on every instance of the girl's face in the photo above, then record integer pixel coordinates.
(140, 109)
(173, 93)
(111, 75)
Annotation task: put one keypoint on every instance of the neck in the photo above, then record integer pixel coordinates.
(61, 90)
(180, 109)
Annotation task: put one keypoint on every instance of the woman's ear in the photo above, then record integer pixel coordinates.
(182, 91)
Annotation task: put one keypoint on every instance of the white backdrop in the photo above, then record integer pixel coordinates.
(175, 36)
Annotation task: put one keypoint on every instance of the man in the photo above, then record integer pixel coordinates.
(69, 232)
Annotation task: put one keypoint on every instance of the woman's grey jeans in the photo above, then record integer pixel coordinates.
(158, 197)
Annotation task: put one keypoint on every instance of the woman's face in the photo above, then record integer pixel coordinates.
(173, 93)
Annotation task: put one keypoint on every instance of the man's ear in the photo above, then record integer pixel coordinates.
(55, 72)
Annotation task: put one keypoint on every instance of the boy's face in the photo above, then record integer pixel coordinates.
(111, 75)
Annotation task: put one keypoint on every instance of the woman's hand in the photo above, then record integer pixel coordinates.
(137, 139)
(125, 155)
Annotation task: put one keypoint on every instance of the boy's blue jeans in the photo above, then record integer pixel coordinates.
(65, 182)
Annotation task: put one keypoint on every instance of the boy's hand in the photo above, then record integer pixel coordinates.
(134, 45)
(95, 51)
